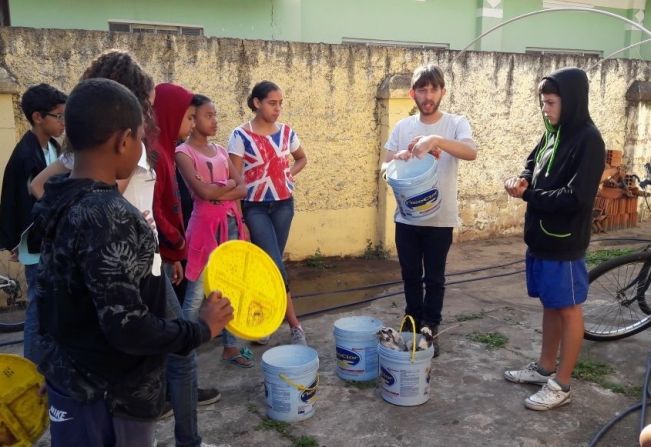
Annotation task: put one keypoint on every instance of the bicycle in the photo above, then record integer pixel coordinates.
(13, 302)
(619, 300)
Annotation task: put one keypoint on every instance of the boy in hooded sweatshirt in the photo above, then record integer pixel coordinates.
(559, 184)
(104, 330)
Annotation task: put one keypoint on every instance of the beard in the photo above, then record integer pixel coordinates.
(434, 105)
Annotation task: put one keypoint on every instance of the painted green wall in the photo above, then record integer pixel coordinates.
(437, 21)
(248, 19)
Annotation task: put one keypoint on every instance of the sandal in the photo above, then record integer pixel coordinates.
(242, 360)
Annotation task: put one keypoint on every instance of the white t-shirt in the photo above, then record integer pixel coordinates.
(451, 127)
(139, 191)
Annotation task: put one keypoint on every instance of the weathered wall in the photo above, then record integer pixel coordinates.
(331, 100)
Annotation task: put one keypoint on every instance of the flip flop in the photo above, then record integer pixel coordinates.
(242, 360)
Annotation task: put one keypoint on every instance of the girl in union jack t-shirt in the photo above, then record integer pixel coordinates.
(261, 149)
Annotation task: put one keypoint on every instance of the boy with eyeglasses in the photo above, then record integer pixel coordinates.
(43, 106)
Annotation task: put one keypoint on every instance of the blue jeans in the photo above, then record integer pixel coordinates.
(194, 296)
(194, 293)
(269, 224)
(426, 247)
(181, 374)
(31, 346)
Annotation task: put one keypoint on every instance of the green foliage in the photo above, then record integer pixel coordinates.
(369, 384)
(492, 340)
(317, 260)
(468, 317)
(281, 427)
(305, 441)
(375, 251)
(596, 257)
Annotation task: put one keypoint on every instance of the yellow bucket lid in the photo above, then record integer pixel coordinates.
(23, 409)
(250, 279)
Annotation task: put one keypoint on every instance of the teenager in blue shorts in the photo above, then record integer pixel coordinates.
(559, 184)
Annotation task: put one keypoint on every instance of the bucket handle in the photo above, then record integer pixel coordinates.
(298, 386)
(413, 326)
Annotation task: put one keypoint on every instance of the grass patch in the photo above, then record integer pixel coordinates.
(596, 257)
(317, 260)
(492, 340)
(596, 372)
(469, 317)
(375, 251)
(305, 441)
(592, 371)
(366, 385)
(252, 408)
(283, 428)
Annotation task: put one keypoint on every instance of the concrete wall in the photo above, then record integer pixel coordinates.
(454, 23)
(331, 99)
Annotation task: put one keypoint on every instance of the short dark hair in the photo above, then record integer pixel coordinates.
(548, 86)
(260, 92)
(41, 98)
(199, 100)
(96, 109)
(428, 75)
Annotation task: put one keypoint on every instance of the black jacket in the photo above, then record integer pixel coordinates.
(101, 312)
(562, 189)
(26, 162)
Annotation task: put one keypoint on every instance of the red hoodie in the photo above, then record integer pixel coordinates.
(170, 106)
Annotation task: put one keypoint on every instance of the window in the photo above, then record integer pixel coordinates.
(154, 28)
(565, 51)
(395, 43)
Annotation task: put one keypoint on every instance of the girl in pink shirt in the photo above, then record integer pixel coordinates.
(216, 218)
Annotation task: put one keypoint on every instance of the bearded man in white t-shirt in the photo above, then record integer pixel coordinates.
(424, 244)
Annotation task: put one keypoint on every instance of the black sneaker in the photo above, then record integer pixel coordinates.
(207, 396)
(167, 410)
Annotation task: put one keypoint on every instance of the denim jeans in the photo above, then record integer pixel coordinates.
(426, 247)
(269, 224)
(31, 346)
(194, 296)
(194, 293)
(181, 374)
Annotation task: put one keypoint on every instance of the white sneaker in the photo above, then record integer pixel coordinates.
(528, 375)
(551, 395)
(298, 336)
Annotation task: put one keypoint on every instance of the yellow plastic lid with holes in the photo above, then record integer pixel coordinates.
(23, 409)
(250, 279)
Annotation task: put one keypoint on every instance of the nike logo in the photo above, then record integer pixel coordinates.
(58, 415)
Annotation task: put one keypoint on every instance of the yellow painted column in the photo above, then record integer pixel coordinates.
(393, 104)
(8, 88)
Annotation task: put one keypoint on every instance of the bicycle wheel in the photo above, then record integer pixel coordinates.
(618, 299)
(13, 300)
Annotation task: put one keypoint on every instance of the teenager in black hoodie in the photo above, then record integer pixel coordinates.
(559, 184)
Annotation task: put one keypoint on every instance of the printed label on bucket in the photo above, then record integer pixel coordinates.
(420, 205)
(357, 361)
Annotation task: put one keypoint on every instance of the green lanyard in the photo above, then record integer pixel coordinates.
(543, 148)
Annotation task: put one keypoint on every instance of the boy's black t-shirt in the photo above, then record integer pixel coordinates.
(104, 337)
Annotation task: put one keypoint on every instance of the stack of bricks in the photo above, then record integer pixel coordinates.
(616, 203)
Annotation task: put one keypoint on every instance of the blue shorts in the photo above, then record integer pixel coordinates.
(558, 284)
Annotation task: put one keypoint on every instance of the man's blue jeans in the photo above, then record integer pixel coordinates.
(269, 224)
(181, 380)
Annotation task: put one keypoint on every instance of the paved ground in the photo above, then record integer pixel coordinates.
(471, 403)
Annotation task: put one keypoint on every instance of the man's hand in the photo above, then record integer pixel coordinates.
(420, 146)
(177, 273)
(516, 186)
(402, 155)
(216, 311)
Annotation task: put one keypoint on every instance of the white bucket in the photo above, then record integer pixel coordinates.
(290, 382)
(415, 186)
(405, 376)
(356, 344)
